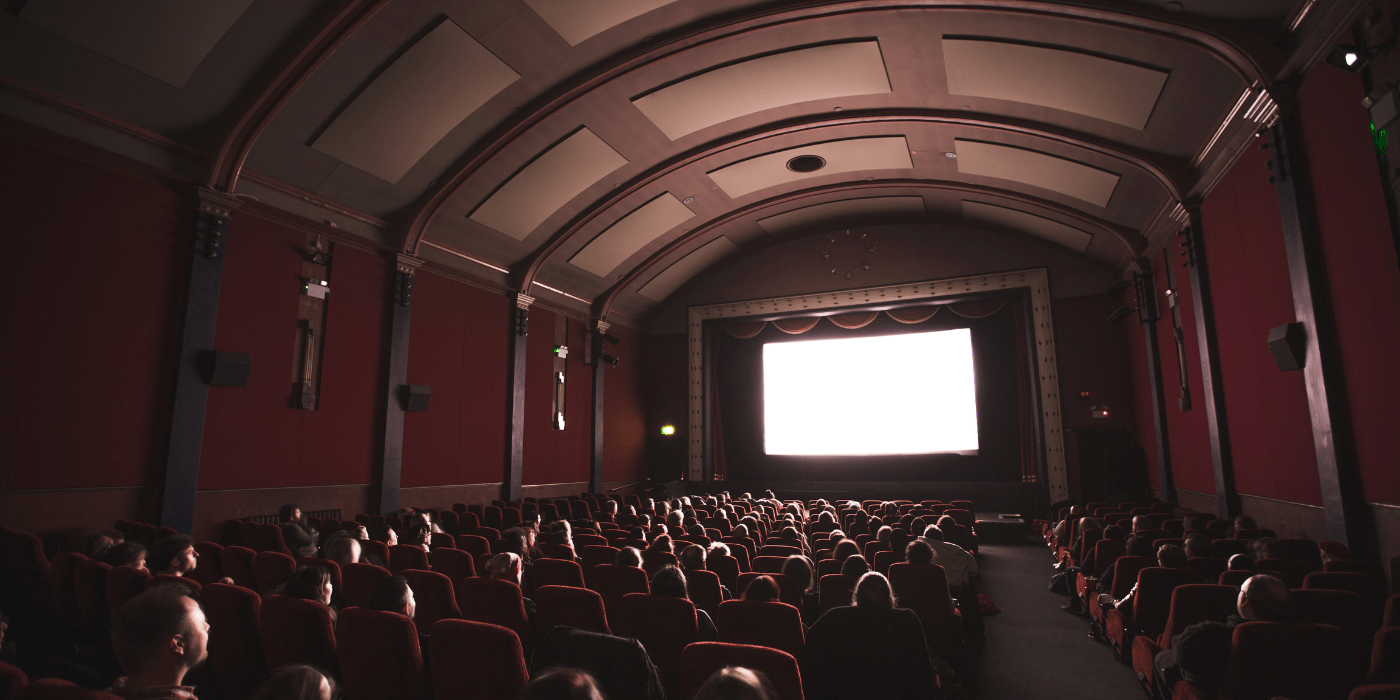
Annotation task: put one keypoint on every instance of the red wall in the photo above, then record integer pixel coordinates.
(1192, 468)
(625, 424)
(557, 456)
(1144, 430)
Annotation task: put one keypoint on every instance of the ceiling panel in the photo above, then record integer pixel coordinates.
(576, 20)
(603, 254)
(820, 72)
(844, 210)
(1115, 91)
(546, 184)
(1054, 231)
(680, 272)
(770, 170)
(415, 102)
(1036, 169)
(165, 39)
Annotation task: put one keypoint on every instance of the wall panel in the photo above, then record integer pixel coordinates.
(624, 430)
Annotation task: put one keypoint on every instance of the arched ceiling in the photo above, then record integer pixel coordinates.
(610, 152)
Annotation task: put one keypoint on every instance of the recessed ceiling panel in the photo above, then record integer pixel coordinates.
(844, 210)
(426, 93)
(680, 272)
(603, 254)
(1051, 230)
(815, 160)
(548, 183)
(820, 72)
(165, 39)
(576, 20)
(1037, 170)
(1096, 87)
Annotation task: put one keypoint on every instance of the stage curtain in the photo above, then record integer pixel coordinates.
(913, 314)
(852, 321)
(1024, 387)
(745, 330)
(977, 309)
(797, 326)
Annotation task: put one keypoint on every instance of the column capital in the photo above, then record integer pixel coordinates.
(407, 264)
(603, 326)
(523, 301)
(216, 203)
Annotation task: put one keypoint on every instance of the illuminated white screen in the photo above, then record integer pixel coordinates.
(894, 394)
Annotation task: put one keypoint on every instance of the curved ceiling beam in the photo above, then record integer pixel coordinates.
(1128, 157)
(1223, 50)
(603, 305)
(227, 163)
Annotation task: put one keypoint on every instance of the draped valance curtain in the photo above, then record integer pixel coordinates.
(860, 319)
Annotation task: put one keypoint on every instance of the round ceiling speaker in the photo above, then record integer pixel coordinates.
(806, 164)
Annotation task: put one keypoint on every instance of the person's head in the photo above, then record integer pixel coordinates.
(1141, 523)
(670, 582)
(1264, 597)
(504, 566)
(662, 543)
(675, 519)
(1076, 510)
(854, 565)
(516, 541)
(393, 595)
(1197, 545)
(385, 534)
(1171, 557)
(345, 550)
(945, 522)
(1333, 551)
(845, 549)
(1244, 522)
(562, 684)
(629, 556)
(696, 530)
(417, 535)
(873, 591)
(94, 545)
(737, 683)
(1139, 547)
(883, 534)
(297, 683)
(826, 517)
(933, 533)
(1113, 532)
(692, 558)
(173, 555)
(160, 633)
(132, 554)
(1241, 562)
(740, 530)
(800, 571)
(1195, 521)
(290, 513)
(719, 549)
(1263, 548)
(311, 583)
(762, 589)
(918, 552)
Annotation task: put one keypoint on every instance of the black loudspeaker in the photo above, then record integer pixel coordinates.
(415, 397)
(224, 368)
(1288, 343)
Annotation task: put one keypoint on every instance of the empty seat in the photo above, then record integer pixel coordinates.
(476, 661)
(769, 565)
(612, 582)
(1208, 568)
(727, 568)
(704, 589)
(835, 590)
(1343, 609)
(123, 584)
(1361, 584)
(664, 625)
(271, 570)
(379, 656)
(406, 556)
(269, 539)
(238, 564)
(441, 539)
(235, 638)
(1385, 656)
(1282, 659)
(434, 595)
(359, 581)
(1292, 571)
(1228, 548)
(773, 625)
(702, 659)
(453, 563)
(556, 572)
(296, 631)
(923, 588)
(1190, 604)
(477, 546)
(572, 607)
(496, 602)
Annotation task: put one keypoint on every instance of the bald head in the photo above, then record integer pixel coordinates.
(1264, 597)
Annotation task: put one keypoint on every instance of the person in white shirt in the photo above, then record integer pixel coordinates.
(959, 566)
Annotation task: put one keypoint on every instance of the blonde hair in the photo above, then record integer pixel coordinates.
(501, 565)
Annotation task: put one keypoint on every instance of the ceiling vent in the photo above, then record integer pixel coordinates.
(806, 164)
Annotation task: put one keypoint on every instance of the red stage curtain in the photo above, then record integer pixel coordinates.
(797, 326)
(745, 330)
(852, 321)
(913, 314)
(977, 309)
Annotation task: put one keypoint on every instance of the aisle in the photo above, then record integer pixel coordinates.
(1034, 649)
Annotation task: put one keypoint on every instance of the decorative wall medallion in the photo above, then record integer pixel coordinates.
(846, 252)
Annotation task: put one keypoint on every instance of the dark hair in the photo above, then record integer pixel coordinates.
(669, 581)
(298, 682)
(630, 555)
(1113, 532)
(662, 543)
(855, 565)
(918, 552)
(390, 594)
(307, 581)
(1199, 544)
(844, 549)
(379, 533)
(166, 550)
(762, 589)
(284, 513)
(562, 684)
(1171, 556)
(800, 571)
(1139, 547)
(737, 683)
(125, 554)
(1244, 522)
(1241, 562)
(146, 623)
(873, 591)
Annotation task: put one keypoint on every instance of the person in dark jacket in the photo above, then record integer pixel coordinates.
(870, 649)
(620, 666)
(1198, 654)
(295, 533)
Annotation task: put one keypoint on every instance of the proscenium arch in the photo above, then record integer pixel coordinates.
(1131, 158)
(603, 305)
(1235, 59)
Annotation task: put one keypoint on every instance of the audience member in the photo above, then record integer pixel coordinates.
(344, 550)
(854, 565)
(629, 556)
(312, 583)
(173, 556)
(393, 595)
(670, 581)
(1240, 562)
(130, 554)
(158, 636)
(737, 683)
(506, 567)
(297, 683)
(843, 549)
(799, 570)
(385, 534)
(296, 534)
(692, 558)
(1197, 545)
(762, 589)
(563, 684)
(1198, 653)
(871, 649)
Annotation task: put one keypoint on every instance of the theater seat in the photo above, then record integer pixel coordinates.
(11, 680)
(664, 625)
(359, 582)
(769, 565)
(90, 593)
(1343, 609)
(238, 563)
(1384, 691)
(727, 568)
(406, 556)
(496, 602)
(61, 569)
(1282, 659)
(571, 607)
(1292, 571)
(592, 555)
(1391, 616)
(1150, 607)
(435, 596)
(1385, 656)
(654, 561)
(272, 569)
(1125, 573)
(701, 660)
(235, 639)
(1235, 578)
(557, 572)
(704, 589)
(1190, 604)
(1361, 584)
(123, 584)
(476, 661)
(55, 689)
(923, 588)
(773, 625)
(612, 582)
(835, 590)
(379, 656)
(453, 563)
(269, 539)
(296, 631)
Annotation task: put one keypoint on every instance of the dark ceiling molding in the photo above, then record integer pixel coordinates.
(531, 266)
(62, 104)
(1240, 63)
(603, 305)
(225, 167)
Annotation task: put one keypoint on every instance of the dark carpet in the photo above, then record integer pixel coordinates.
(1034, 649)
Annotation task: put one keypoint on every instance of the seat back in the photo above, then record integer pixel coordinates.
(769, 565)
(1208, 568)
(557, 572)
(1305, 550)
(235, 639)
(90, 593)
(123, 584)
(453, 563)
(238, 563)
(477, 546)
(1283, 659)
(664, 625)
(612, 582)
(835, 590)
(403, 557)
(1254, 534)
(476, 661)
(441, 539)
(1197, 602)
(435, 596)
(923, 588)
(11, 680)
(1153, 601)
(571, 607)
(496, 602)
(594, 554)
(773, 625)
(1292, 571)
(269, 539)
(1125, 574)
(654, 561)
(272, 569)
(297, 631)
(1344, 609)
(56, 689)
(1361, 584)
(779, 550)
(1106, 552)
(1385, 657)
(65, 597)
(211, 563)
(550, 550)
(704, 589)
(727, 568)
(359, 581)
(701, 660)
(379, 656)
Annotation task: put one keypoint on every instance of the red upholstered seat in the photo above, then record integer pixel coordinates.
(1254, 534)
(1361, 584)
(211, 563)
(29, 572)
(727, 568)
(1391, 616)
(55, 689)
(359, 581)
(1208, 568)
(592, 555)
(235, 638)
(272, 569)
(491, 517)
(664, 625)
(90, 593)
(1228, 548)
(1385, 656)
(835, 590)
(769, 565)
(238, 563)
(1150, 608)
(704, 589)
(883, 561)
(923, 588)
(123, 584)
(441, 539)
(453, 563)
(773, 625)
(269, 539)
(11, 679)
(477, 546)
(65, 597)
(549, 550)
(1292, 571)
(379, 656)
(1383, 691)
(1235, 578)
(1343, 609)
(557, 572)
(701, 660)
(1283, 659)
(1190, 604)
(827, 567)
(435, 596)
(586, 540)
(571, 606)
(654, 561)
(297, 631)
(779, 550)
(1125, 573)
(407, 556)
(476, 661)
(496, 602)
(612, 582)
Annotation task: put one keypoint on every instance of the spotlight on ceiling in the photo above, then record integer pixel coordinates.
(1119, 314)
(1117, 287)
(1351, 58)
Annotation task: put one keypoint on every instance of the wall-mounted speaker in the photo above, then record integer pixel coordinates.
(225, 368)
(415, 397)
(1289, 344)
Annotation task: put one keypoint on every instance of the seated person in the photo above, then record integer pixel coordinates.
(393, 595)
(629, 556)
(797, 568)
(506, 567)
(312, 583)
(871, 649)
(737, 683)
(130, 554)
(158, 636)
(297, 682)
(343, 550)
(1240, 562)
(1137, 547)
(1169, 556)
(670, 581)
(762, 589)
(173, 556)
(1198, 653)
(563, 684)
(298, 536)
(1197, 545)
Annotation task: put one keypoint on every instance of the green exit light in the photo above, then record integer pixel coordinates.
(668, 430)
